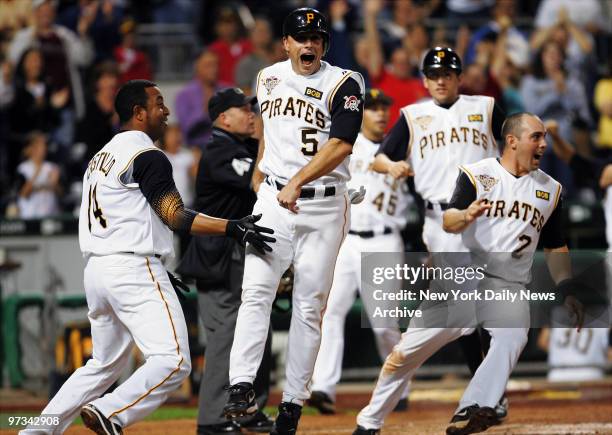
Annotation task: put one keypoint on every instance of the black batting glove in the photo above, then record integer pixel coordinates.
(179, 286)
(245, 231)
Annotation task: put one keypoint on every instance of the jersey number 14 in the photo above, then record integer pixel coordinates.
(94, 207)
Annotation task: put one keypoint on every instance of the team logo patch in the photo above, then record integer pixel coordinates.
(540, 194)
(487, 181)
(270, 83)
(312, 92)
(424, 121)
(475, 118)
(351, 103)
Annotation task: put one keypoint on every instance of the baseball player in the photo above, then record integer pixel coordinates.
(129, 209)
(375, 227)
(430, 140)
(312, 113)
(495, 207)
(575, 356)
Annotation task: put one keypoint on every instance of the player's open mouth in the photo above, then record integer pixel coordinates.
(307, 59)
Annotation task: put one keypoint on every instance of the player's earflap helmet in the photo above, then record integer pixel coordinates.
(307, 20)
(442, 57)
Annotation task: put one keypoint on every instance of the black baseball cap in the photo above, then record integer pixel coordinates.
(375, 96)
(226, 99)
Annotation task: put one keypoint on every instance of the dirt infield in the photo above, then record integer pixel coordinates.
(533, 411)
(563, 417)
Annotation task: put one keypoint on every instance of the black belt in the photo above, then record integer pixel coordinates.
(443, 205)
(150, 255)
(370, 234)
(307, 192)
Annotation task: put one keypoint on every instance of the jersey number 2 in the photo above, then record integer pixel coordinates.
(309, 144)
(97, 211)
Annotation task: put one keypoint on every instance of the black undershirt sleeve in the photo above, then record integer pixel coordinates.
(153, 173)
(464, 194)
(552, 233)
(346, 112)
(395, 144)
(499, 116)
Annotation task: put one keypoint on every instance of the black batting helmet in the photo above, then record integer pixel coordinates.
(442, 57)
(307, 20)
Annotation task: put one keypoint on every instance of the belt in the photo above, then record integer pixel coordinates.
(148, 255)
(432, 205)
(307, 192)
(370, 234)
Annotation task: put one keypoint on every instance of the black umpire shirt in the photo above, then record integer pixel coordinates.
(223, 183)
(223, 189)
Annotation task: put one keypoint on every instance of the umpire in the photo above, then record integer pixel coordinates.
(223, 189)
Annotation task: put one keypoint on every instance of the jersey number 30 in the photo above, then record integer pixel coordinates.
(97, 211)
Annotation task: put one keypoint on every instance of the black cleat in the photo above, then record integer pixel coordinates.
(322, 402)
(227, 428)
(94, 420)
(501, 409)
(360, 430)
(259, 423)
(241, 401)
(472, 419)
(287, 420)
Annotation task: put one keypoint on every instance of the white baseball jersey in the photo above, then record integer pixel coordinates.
(520, 208)
(301, 107)
(386, 201)
(442, 139)
(577, 356)
(115, 216)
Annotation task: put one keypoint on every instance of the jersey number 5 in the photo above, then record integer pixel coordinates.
(97, 211)
(309, 143)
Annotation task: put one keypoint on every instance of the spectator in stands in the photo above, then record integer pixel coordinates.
(230, 45)
(397, 79)
(507, 67)
(340, 51)
(192, 100)
(133, 63)
(587, 14)
(64, 52)
(35, 106)
(416, 43)
(100, 122)
(37, 180)
(478, 81)
(184, 162)
(551, 94)
(405, 14)
(262, 55)
(603, 103)
(577, 44)
(459, 12)
(15, 15)
(502, 15)
(105, 17)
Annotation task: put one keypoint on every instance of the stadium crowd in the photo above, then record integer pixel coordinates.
(61, 63)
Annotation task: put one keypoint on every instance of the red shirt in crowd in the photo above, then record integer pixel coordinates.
(229, 55)
(403, 92)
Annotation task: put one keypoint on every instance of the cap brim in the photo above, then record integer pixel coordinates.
(387, 101)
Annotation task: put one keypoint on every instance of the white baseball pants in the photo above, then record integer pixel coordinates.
(130, 300)
(310, 240)
(347, 281)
